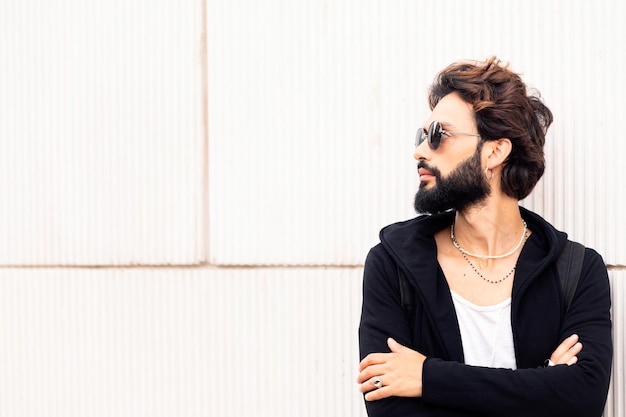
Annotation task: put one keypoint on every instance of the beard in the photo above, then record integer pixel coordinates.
(464, 187)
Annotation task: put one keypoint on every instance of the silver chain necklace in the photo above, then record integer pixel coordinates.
(504, 255)
(483, 277)
(480, 263)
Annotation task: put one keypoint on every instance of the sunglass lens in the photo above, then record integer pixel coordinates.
(434, 135)
(420, 136)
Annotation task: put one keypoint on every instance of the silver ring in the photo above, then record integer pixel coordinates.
(377, 382)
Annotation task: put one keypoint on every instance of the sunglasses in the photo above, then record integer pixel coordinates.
(434, 135)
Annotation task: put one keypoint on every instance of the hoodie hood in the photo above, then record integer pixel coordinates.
(414, 238)
(411, 244)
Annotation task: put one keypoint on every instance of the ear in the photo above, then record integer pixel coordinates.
(497, 151)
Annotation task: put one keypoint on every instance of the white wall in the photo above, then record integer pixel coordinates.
(179, 342)
(189, 188)
(101, 123)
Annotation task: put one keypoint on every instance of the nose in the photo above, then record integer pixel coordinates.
(421, 151)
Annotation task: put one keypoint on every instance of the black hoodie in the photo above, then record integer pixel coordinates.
(538, 318)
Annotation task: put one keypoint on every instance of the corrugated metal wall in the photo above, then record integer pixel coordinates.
(616, 403)
(193, 342)
(179, 342)
(189, 188)
(101, 122)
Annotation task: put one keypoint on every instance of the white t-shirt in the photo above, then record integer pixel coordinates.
(486, 333)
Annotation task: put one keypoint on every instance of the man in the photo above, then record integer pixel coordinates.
(489, 309)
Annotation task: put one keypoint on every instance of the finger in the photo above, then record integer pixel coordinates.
(370, 384)
(575, 350)
(378, 394)
(396, 347)
(367, 386)
(372, 359)
(369, 373)
(566, 357)
(565, 346)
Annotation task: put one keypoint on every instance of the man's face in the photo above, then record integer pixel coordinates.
(464, 187)
(452, 175)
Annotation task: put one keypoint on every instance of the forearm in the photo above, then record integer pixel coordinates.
(410, 407)
(577, 390)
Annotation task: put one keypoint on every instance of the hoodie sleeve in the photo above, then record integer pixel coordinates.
(579, 390)
(382, 317)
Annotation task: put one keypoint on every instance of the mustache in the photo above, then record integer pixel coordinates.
(429, 168)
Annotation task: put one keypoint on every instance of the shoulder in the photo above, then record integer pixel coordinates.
(594, 269)
(412, 233)
(594, 258)
(553, 241)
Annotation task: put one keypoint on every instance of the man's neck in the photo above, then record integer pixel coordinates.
(491, 228)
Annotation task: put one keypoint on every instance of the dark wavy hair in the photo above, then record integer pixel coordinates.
(502, 109)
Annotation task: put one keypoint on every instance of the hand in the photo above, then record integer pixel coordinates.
(400, 373)
(566, 353)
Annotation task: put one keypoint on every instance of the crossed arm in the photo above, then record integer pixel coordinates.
(400, 371)
(432, 380)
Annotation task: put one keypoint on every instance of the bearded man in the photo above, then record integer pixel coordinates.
(491, 331)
